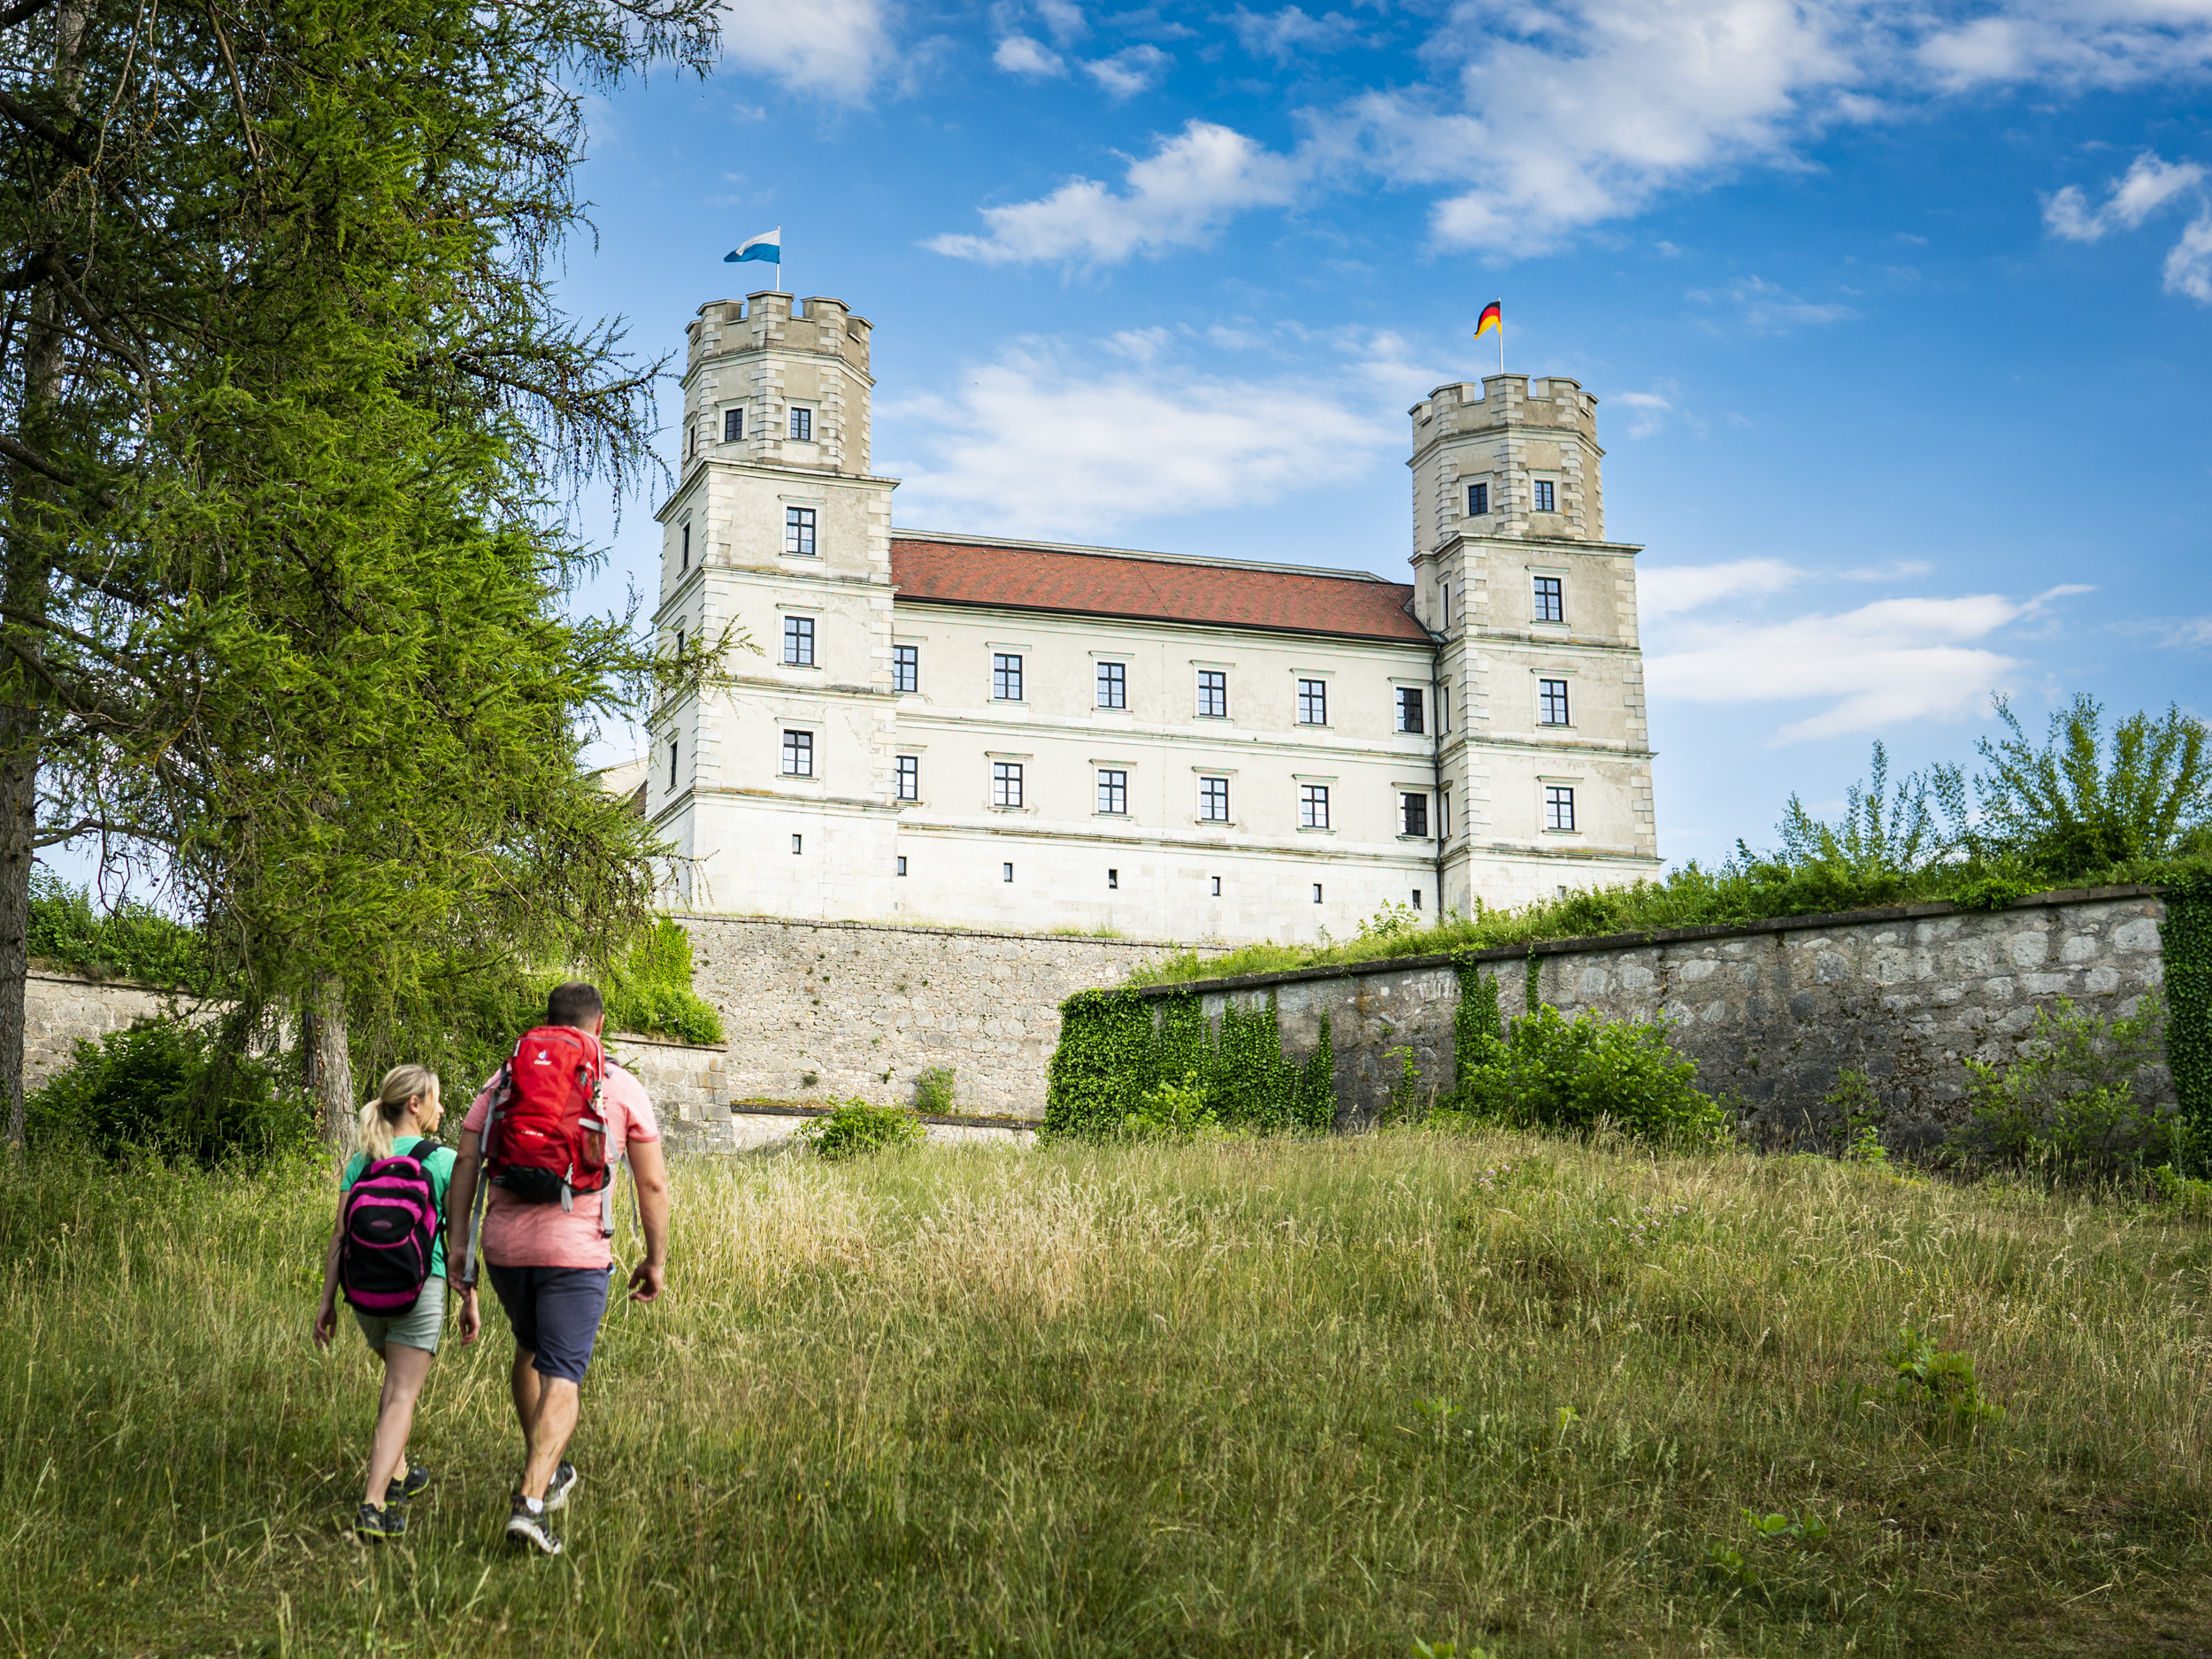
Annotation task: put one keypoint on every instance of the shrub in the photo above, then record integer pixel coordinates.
(131, 942)
(167, 1089)
(2067, 1103)
(853, 1128)
(933, 1090)
(649, 990)
(1935, 1388)
(1176, 1113)
(1550, 1073)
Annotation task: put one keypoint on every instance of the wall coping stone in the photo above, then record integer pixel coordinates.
(950, 932)
(56, 974)
(1617, 942)
(959, 1120)
(637, 1038)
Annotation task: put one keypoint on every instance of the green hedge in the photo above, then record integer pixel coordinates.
(168, 1089)
(1116, 1048)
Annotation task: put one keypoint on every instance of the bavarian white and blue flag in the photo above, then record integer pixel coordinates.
(768, 245)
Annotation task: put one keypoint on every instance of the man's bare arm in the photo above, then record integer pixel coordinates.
(650, 1171)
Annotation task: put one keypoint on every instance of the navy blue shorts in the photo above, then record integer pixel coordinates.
(555, 1313)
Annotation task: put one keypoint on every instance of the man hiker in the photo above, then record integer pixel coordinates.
(560, 1116)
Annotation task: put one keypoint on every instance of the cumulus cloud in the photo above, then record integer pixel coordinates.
(2099, 44)
(1282, 36)
(2147, 185)
(835, 47)
(1046, 441)
(1665, 590)
(1126, 73)
(1019, 55)
(1177, 196)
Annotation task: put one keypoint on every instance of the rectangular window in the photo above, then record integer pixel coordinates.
(798, 642)
(1544, 496)
(1409, 708)
(803, 426)
(1313, 702)
(1444, 606)
(1213, 800)
(909, 777)
(798, 531)
(1551, 599)
(1413, 815)
(1559, 807)
(671, 763)
(1113, 877)
(1317, 893)
(1006, 678)
(901, 870)
(1313, 806)
(1113, 791)
(733, 424)
(1216, 887)
(798, 754)
(1006, 873)
(798, 846)
(687, 538)
(1417, 898)
(1551, 702)
(1113, 685)
(1213, 694)
(1444, 815)
(906, 668)
(1006, 784)
(691, 441)
(679, 641)
(1477, 500)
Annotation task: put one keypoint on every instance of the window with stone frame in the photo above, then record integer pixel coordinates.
(801, 424)
(798, 531)
(1313, 806)
(798, 642)
(1213, 694)
(1113, 791)
(1413, 815)
(1547, 496)
(1113, 685)
(1411, 710)
(1006, 783)
(798, 754)
(1550, 598)
(1477, 500)
(1313, 702)
(1559, 807)
(909, 774)
(906, 668)
(1006, 677)
(733, 424)
(1213, 800)
(1551, 702)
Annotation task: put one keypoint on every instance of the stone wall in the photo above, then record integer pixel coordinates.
(1771, 1012)
(60, 1009)
(864, 1008)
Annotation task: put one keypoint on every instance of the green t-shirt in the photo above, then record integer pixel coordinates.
(438, 1166)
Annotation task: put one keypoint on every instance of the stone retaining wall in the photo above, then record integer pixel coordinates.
(61, 1010)
(1771, 1012)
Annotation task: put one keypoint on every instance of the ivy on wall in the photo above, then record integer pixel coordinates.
(1116, 1047)
(1477, 1022)
(2185, 939)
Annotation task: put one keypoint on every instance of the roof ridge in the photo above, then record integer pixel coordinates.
(1207, 560)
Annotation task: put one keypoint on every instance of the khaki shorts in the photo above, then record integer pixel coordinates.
(418, 1327)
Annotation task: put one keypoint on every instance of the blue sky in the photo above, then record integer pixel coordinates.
(1901, 315)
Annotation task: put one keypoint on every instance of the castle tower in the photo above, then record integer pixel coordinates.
(778, 530)
(1544, 752)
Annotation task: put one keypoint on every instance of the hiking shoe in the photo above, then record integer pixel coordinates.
(416, 1478)
(533, 1530)
(374, 1526)
(562, 1483)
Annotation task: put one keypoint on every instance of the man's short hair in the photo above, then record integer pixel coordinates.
(575, 1003)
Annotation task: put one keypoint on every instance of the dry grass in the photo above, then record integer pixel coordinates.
(1261, 1398)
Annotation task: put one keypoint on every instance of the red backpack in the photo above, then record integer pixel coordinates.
(545, 1135)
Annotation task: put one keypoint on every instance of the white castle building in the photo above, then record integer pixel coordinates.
(965, 729)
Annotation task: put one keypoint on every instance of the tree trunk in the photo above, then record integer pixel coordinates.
(327, 1066)
(24, 585)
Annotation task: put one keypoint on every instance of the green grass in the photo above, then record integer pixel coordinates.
(1254, 1398)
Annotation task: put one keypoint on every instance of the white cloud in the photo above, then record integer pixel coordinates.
(1281, 35)
(2147, 185)
(1872, 668)
(1043, 441)
(1175, 197)
(1650, 409)
(1064, 19)
(1765, 308)
(2189, 265)
(1665, 590)
(1129, 71)
(2070, 43)
(837, 47)
(1019, 55)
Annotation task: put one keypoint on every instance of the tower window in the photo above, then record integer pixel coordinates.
(1444, 606)
(672, 764)
(1477, 500)
(909, 774)
(1313, 807)
(1559, 807)
(798, 846)
(1213, 800)
(798, 642)
(906, 668)
(1409, 708)
(1006, 873)
(1551, 702)
(1313, 702)
(1213, 694)
(1113, 685)
(1413, 815)
(902, 869)
(679, 641)
(1216, 887)
(798, 531)
(1006, 785)
(733, 424)
(691, 441)
(1113, 791)
(686, 545)
(798, 754)
(1444, 814)
(803, 426)
(1006, 677)
(1546, 501)
(1113, 877)
(1551, 599)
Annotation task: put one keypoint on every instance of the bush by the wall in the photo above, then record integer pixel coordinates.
(649, 990)
(2068, 1104)
(1116, 1048)
(1550, 1073)
(168, 1088)
(132, 942)
(933, 1090)
(854, 1129)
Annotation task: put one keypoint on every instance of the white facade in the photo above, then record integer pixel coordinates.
(1224, 797)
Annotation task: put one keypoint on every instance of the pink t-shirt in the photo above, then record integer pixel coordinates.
(519, 1234)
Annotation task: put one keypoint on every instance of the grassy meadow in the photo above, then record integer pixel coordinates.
(1317, 1397)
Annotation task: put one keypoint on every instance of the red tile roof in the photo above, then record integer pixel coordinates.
(1072, 581)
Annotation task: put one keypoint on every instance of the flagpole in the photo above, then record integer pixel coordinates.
(1502, 340)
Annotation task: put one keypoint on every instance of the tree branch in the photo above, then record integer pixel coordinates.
(22, 12)
(31, 121)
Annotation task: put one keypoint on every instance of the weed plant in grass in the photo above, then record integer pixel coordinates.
(1266, 1396)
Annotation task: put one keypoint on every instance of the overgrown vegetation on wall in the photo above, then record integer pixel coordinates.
(168, 1089)
(132, 940)
(2186, 937)
(1130, 1067)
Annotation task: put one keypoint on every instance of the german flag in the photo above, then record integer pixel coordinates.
(1493, 317)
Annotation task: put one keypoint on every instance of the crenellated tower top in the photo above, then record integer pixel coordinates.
(777, 382)
(1516, 457)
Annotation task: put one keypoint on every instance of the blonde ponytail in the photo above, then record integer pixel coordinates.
(380, 1113)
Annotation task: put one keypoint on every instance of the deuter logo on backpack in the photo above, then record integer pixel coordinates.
(545, 1137)
(387, 1231)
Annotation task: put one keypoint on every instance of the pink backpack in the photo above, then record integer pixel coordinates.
(387, 1231)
